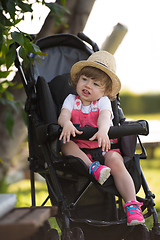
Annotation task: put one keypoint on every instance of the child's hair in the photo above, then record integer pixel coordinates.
(97, 75)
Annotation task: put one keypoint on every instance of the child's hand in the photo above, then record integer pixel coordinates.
(67, 131)
(103, 140)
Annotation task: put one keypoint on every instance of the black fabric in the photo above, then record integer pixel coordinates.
(60, 88)
(96, 153)
(115, 111)
(46, 104)
(128, 144)
(63, 40)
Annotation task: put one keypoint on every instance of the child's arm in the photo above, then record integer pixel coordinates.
(66, 124)
(103, 125)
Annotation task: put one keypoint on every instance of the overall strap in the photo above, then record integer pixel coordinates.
(78, 104)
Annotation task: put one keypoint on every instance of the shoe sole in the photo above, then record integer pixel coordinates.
(135, 222)
(104, 175)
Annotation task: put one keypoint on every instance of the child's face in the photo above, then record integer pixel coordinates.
(89, 90)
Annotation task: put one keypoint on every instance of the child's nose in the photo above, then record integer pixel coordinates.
(88, 84)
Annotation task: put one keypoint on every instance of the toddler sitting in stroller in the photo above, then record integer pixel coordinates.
(96, 84)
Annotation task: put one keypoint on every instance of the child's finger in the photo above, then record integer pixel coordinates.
(73, 133)
(92, 138)
(107, 146)
(79, 132)
(68, 137)
(104, 145)
(60, 138)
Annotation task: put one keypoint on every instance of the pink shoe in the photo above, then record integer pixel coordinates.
(100, 172)
(134, 213)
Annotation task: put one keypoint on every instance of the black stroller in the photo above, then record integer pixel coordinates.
(86, 210)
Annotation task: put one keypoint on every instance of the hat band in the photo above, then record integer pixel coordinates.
(101, 64)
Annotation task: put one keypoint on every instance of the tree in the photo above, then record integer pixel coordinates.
(75, 19)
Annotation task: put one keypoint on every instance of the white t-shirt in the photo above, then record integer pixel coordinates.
(103, 103)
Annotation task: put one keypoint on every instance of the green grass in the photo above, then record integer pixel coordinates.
(151, 170)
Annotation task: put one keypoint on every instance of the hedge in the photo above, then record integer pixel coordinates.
(140, 104)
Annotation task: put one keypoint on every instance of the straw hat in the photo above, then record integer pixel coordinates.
(104, 61)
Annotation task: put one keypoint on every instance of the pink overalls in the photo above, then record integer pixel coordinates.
(87, 119)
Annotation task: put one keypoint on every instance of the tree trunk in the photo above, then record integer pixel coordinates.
(76, 20)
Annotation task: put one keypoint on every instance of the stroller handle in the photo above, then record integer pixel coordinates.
(53, 131)
(129, 128)
(85, 38)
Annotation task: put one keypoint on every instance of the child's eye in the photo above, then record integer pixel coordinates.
(96, 84)
(84, 79)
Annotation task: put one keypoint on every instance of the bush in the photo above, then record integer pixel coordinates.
(140, 104)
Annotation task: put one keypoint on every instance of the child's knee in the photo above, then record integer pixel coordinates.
(113, 160)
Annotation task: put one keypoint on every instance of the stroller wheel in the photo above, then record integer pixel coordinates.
(52, 234)
(155, 233)
(77, 234)
(139, 232)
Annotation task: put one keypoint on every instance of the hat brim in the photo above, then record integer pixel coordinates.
(116, 84)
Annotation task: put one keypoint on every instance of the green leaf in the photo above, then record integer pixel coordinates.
(8, 102)
(54, 7)
(4, 74)
(7, 83)
(9, 121)
(28, 46)
(25, 6)
(4, 85)
(1, 37)
(37, 60)
(26, 63)
(41, 53)
(22, 52)
(11, 8)
(11, 55)
(5, 21)
(18, 37)
(16, 21)
(63, 2)
(2, 60)
(19, 86)
(9, 95)
(35, 47)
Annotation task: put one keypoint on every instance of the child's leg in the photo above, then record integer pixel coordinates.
(122, 178)
(125, 186)
(99, 172)
(71, 148)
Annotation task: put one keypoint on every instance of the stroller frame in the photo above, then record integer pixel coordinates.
(45, 132)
